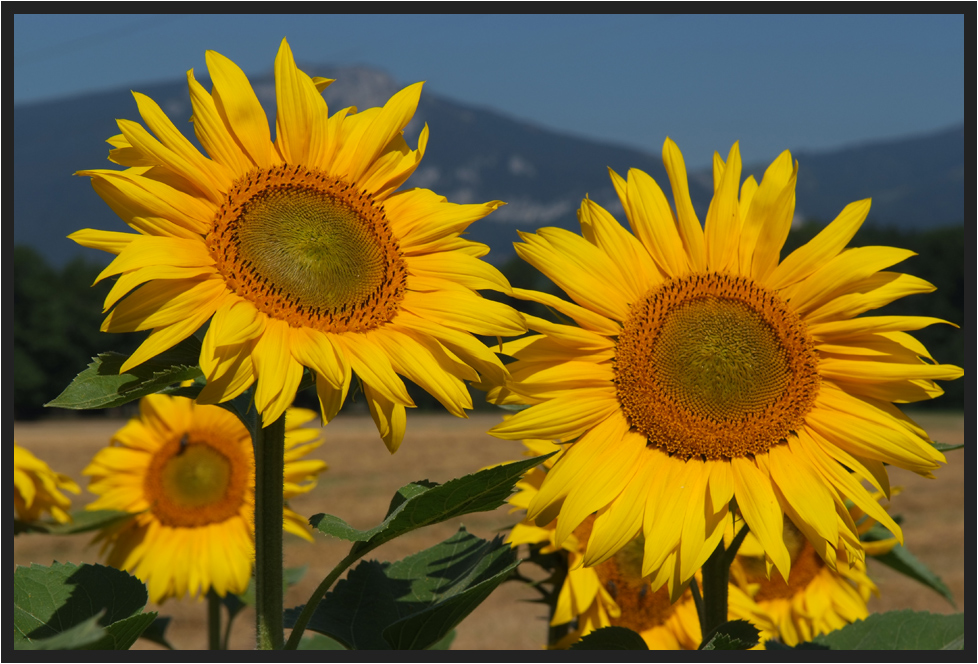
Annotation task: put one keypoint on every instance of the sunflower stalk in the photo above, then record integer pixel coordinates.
(213, 621)
(269, 502)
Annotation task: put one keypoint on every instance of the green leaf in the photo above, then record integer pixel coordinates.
(413, 603)
(83, 636)
(156, 632)
(901, 560)
(83, 521)
(424, 503)
(732, 635)
(899, 630)
(611, 638)
(102, 386)
(446, 641)
(319, 642)
(805, 645)
(49, 601)
(947, 447)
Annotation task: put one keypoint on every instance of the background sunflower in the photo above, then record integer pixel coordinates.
(187, 472)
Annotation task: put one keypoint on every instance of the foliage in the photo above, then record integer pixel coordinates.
(67, 606)
(415, 602)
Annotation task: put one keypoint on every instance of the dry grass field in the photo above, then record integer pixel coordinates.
(363, 476)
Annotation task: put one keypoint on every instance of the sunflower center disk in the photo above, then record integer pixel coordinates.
(714, 366)
(193, 483)
(307, 248)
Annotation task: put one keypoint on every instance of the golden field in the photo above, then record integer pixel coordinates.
(363, 477)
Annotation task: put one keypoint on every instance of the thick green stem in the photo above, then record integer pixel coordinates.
(269, 480)
(716, 579)
(556, 632)
(716, 575)
(213, 620)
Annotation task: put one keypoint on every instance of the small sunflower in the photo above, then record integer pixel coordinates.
(188, 472)
(613, 592)
(816, 600)
(37, 488)
(300, 252)
(703, 368)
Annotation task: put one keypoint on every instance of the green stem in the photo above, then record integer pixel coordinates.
(556, 632)
(213, 620)
(716, 580)
(269, 502)
(716, 576)
(694, 587)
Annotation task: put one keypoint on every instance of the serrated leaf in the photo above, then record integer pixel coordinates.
(123, 633)
(82, 521)
(901, 560)
(413, 603)
(947, 447)
(611, 638)
(732, 635)
(102, 386)
(424, 503)
(52, 600)
(82, 636)
(899, 630)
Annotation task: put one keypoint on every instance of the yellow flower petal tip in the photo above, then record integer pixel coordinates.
(38, 489)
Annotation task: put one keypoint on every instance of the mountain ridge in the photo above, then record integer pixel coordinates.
(473, 155)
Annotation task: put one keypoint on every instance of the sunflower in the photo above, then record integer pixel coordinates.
(703, 369)
(613, 592)
(299, 252)
(37, 488)
(818, 599)
(188, 472)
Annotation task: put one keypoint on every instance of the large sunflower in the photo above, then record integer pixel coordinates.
(298, 251)
(703, 369)
(37, 488)
(188, 471)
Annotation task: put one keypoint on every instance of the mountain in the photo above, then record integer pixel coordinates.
(473, 155)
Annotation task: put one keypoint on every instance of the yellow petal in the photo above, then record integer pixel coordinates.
(372, 366)
(301, 122)
(761, 510)
(560, 419)
(110, 241)
(689, 225)
(723, 221)
(238, 105)
(652, 222)
(278, 374)
(211, 131)
(822, 248)
(768, 218)
(388, 416)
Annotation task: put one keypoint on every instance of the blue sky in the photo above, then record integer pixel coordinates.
(772, 82)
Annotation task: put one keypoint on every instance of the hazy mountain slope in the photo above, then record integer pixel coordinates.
(473, 155)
